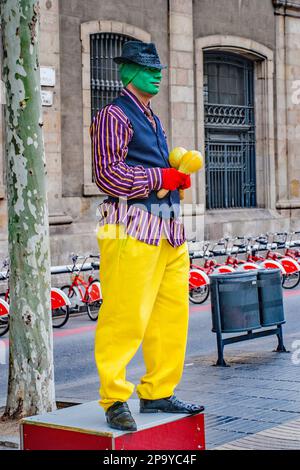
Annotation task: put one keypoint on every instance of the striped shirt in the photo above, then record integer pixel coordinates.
(111, 132)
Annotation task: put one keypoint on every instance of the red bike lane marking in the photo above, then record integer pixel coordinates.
(69, 332)
(74, 331)
(201, 308)
(291, 293)
(83, 329)
(62, 333)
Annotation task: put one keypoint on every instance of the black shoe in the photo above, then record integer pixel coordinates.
(118, 416)
(169, 405)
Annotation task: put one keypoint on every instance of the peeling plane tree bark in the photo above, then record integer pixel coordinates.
(31, 377)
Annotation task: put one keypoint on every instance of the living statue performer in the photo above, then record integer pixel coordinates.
(144, 265)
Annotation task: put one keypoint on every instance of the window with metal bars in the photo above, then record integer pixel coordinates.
(105, 80)
(229, 131)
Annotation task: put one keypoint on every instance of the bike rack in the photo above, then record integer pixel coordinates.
(68, 269)
(196, 253)
(63, 269)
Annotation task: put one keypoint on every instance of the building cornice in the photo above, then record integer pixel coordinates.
(287, 7)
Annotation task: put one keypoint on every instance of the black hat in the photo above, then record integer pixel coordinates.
(141, 53)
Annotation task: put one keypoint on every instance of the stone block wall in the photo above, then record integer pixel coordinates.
(252, 19)
(262, 29)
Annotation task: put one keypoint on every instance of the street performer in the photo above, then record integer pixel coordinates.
(144, 264)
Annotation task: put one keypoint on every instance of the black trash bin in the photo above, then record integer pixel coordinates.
(269, 284)
(234, 302)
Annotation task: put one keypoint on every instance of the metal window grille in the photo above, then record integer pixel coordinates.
(229, 131)
(105, 81)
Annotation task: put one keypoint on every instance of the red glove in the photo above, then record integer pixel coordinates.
(173, 179)
(187, 183)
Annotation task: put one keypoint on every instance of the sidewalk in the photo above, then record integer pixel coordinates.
(258, 392)
(253, 404)
(9, 434)
(284, 437)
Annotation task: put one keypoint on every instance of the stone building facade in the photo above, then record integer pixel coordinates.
(231, 90)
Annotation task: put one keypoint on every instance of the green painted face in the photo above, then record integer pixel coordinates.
(145, 79)
(148, 80)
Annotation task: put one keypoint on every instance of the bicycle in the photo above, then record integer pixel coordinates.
(290, 268)
(83, 293)
(59, 305)
(4, 306)
(292, 245)
(241, 245)
(199, 275)
(198, 279)
(289, 260)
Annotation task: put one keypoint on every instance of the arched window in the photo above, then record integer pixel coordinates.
(229, 131)
(101, 40)
(105, 81)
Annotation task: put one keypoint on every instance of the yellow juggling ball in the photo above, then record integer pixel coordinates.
(187, 162)
(175, 156)
(191, 162)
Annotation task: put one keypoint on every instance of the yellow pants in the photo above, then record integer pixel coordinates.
(145, 300)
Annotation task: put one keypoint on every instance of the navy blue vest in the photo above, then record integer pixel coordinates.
(149, 149)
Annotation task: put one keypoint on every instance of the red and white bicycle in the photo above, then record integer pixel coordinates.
(288, 265)
(59, 305)
(84, 294)
(199, 275)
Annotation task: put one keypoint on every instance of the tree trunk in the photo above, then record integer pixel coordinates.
(31, 377)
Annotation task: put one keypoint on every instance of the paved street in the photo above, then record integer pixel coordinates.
(259, 391)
